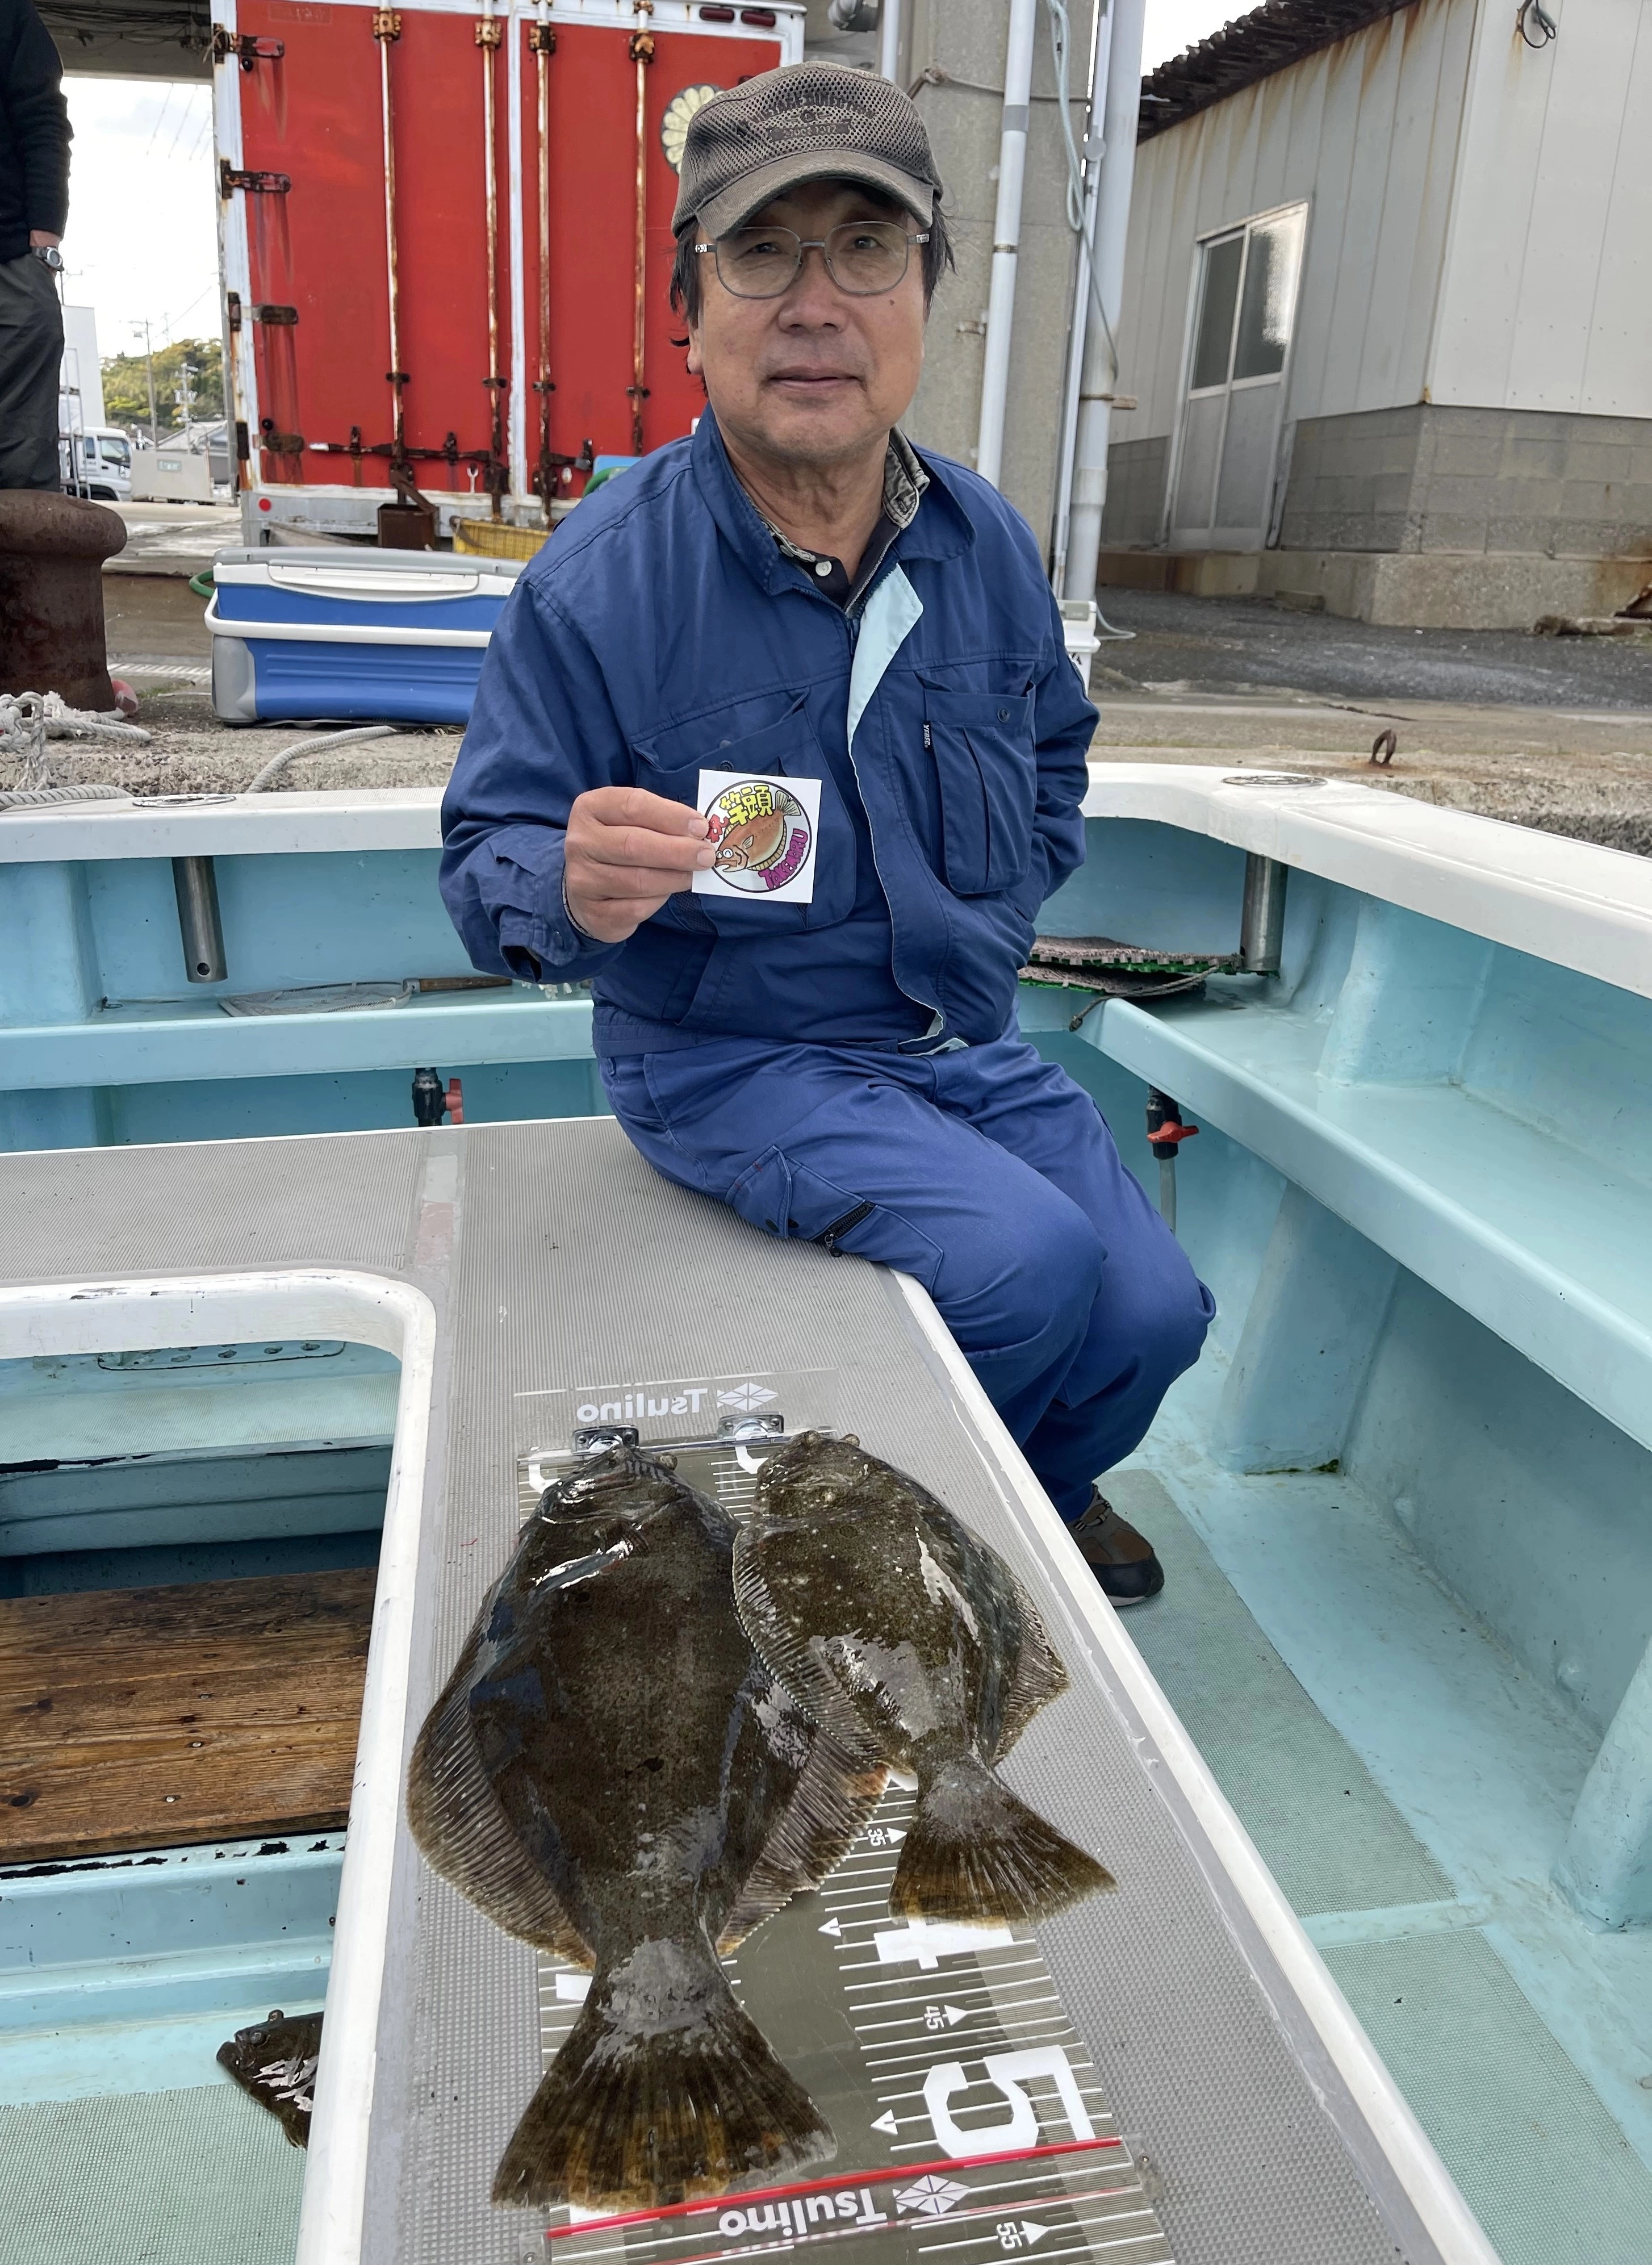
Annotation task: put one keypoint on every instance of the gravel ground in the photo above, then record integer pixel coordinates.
(192, 753)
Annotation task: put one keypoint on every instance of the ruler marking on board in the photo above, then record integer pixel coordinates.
(920, 2009)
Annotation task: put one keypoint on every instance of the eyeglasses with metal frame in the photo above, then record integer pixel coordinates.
(863, 258)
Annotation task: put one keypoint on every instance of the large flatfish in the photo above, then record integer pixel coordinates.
(612, 1774)
(905, 1636)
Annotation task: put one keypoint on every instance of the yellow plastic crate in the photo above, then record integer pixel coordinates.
(497, 538)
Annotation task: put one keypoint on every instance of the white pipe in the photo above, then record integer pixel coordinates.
(889, 41)
(1000, 305)
(1079, 327)
(1117, 171)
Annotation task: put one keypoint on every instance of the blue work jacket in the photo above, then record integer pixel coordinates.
(663, 629)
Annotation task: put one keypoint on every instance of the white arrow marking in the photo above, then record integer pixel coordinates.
(954, 2014)
(886, 2124)
(832, 1926)
(894, 1834)
(1031, 2234)
(928, 1944)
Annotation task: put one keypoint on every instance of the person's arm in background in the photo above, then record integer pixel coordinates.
(32, 75)
(552, 854)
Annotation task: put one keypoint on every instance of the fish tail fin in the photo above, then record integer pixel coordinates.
(629, 2120)
(974, 1852)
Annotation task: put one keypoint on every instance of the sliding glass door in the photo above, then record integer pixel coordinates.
(1244, 311)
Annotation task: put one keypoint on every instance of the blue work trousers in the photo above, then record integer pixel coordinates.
(988, 1175)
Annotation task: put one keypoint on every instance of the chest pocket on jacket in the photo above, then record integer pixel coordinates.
(987, 774)
(788, 748)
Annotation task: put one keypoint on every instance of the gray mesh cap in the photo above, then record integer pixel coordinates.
(807, 123)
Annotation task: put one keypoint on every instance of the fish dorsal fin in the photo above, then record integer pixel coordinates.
(1039, 1675)
(835, 1794)
(792, 1659)
(458, 1822)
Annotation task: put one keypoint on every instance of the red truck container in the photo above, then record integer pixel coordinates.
(446, 244)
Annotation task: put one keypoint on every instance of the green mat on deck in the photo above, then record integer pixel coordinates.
(1538, 2158)
(1329, 1833)
(1540, 2163)
(202, 2177)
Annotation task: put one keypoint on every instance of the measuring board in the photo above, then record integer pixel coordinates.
(970, 2120)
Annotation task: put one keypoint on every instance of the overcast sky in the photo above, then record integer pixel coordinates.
(143, 212)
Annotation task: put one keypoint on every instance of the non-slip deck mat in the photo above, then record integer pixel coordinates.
(556, 1258)
(597, 1273)
(1543, 2166)
(73, 1213)
(202, 2177)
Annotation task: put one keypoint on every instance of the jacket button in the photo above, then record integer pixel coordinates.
(1003, 715)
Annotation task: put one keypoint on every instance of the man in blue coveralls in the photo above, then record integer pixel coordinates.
(798, 596)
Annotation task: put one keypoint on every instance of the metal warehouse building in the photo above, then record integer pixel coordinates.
(1388, 313)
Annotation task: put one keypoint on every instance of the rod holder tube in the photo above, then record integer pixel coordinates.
(1262, 920)
(202, 931)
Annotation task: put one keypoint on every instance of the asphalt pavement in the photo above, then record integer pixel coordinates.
(1249, 645)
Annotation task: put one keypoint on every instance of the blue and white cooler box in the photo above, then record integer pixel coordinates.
(386, 635)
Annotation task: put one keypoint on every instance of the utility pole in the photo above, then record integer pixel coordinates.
(187, 370)
(149, 362)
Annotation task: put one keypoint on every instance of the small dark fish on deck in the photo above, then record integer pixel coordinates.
(612, 1774)
(905, 1636)
(275, 2061)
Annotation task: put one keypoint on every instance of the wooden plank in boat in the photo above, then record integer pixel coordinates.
(150, 1718)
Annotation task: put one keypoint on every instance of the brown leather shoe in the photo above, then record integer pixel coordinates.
(1121, 1559)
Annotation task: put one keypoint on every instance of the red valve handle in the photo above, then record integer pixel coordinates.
(1169, 1135)
(452, 1101)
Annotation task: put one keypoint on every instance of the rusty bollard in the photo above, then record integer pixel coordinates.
(52, 549)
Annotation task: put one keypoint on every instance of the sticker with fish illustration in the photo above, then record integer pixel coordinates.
(764, 832)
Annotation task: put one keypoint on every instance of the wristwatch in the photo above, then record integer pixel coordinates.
(50, 255)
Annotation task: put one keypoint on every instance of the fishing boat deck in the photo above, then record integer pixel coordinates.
(544, 1262)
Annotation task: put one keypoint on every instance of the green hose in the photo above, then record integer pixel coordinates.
(202, 584)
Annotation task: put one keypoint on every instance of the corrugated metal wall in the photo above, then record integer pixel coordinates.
(1366, 132)
(1479, 231)
(1547, 295)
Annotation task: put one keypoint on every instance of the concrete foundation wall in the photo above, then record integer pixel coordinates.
(1424, 516)
(1538, 483)
(1134, 510)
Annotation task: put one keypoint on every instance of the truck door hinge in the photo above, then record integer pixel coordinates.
(278, 317)
(258, 185)
(249, 52)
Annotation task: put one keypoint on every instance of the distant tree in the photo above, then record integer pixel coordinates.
(125, 391)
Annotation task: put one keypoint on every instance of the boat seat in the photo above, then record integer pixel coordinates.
(208, 1711)
(1521, 1227)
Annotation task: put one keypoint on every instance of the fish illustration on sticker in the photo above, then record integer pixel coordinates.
(765, 832)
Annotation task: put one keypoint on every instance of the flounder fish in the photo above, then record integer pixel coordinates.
(910, 1640)
(612, 1774)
